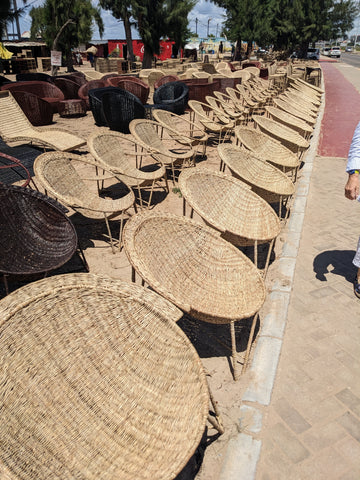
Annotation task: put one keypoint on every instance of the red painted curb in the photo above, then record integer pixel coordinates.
(342, 113)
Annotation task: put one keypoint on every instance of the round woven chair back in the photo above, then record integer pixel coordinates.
(34, 76)
(192, 266)
(139, 88)
(245, 75)
(95, 103)
(98, 382)
(83, 91)
(166, 79)
(36, 235)
(230, 206)
(173, 96)
(265, 179)
(120, 108)
(285, 135)
(289, 120)
(266, 147)
(293, 110)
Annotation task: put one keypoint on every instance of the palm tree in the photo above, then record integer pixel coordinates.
(8, 13)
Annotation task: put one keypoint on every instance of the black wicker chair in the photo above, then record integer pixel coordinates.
(4, 80)
(120, 108)
(172, 96)
(95, 102)
(36, 236)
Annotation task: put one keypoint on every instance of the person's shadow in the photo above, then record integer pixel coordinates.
(339, 260)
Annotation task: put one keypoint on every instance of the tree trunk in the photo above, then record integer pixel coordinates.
(55, 69)
(70, 62)
(237, 55)
(148, 58)
(130, 50)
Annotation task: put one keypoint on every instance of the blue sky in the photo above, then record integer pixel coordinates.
(203, 11)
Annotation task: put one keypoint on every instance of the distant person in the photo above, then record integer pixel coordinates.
(352, 193)
(91, 58)
(221, 47)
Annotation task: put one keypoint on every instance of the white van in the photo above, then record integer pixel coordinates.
(313, 54)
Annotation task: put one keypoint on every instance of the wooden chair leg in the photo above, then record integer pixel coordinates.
(217, 421)
(248, 348)
(234, 352)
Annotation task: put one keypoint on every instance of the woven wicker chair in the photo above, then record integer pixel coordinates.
(59, 175)
(98, 382)
(309, 85)
(193, 267)
(83, 91)
(37, 111)
(45, 90)
(293, 110)
(289, 120)
(166, 79)
(36, 235)
(243, 74)
(183, 130)
(285, 135)
(15, 127)
(266, 180)
(229, 206)
(198, 89)
(294, 97)
(172, 96)
(135, 86)
(126, 158)
(96, 107)
(120, 108)
(164, 147)
(68, 87)
(226, 109)
(299, 105)
(150, 76)
(267, 148)
(77, 77)
(220, 126)
(304, 96)
(33, 77)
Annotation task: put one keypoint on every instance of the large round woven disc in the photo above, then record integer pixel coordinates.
(192, 266)
(97, 382)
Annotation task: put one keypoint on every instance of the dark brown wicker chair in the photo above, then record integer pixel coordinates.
(83, 91)
(166, 79)
(199, 90)
(77, 77)
(137, 88)
(36, 235)
(68, 87)
(33, 77)
(45, 90)
(38, 111)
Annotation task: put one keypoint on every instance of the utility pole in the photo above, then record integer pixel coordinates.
(217, 26)
(208, 27)
(17, 34)
(196, 22)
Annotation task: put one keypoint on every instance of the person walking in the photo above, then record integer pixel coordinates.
(352, 192)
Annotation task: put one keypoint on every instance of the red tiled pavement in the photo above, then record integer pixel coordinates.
(342, 113)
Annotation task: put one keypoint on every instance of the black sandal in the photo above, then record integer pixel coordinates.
(357, 287)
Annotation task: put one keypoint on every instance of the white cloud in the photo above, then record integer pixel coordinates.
(203, 11)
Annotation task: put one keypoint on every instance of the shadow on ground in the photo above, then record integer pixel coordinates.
(337, 262)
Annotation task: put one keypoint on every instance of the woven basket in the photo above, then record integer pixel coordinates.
(192, 266)
(228, 205)
(285, 135)
(289, 120)
(98, 382)
(266, 147)
(265, 179)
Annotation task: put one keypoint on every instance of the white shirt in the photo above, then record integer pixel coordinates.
(353, 162)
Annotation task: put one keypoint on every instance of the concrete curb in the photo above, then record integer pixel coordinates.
(243, 451)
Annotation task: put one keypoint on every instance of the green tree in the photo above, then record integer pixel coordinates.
(122, 10)
(7, 15)
(63, 24)
(177, 24)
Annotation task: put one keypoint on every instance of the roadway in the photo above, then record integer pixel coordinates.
(351, 59)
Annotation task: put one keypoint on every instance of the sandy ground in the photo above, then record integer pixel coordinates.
(211, 341)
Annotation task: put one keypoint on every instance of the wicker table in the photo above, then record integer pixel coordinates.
(72, 108)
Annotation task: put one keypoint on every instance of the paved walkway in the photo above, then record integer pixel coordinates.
(311, 429)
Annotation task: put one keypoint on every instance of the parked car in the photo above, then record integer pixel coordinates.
(313, 54)
(335, 52)
(348, 49)
(326, 51)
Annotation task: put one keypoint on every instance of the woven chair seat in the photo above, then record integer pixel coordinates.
(285, 135)
(289, 120)
(98, 381)
(36, 235)
(216, 123)
(15, 127)
(300, 99)
(265, 179)
(303, 94)
(293, 110)
(308, 85)
(266, 147)
(192, 266)
(230, 206)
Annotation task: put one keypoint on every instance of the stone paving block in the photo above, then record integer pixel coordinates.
(347, 397)
(322, 365)
(286, 268)
(289, 443)
(274, 322)
(263, 370)
(318, 413)
(348, 360)
(250, 420)
(321, 437)
(351, 475)
(291, 416)
(295, 222)
(299, 204)
(327, 465)
(241, 458)
(349, 448)
(291, 245)
(351, 425)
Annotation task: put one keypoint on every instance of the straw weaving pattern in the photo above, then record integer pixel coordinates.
(98, 382)
(265, 179)
(36, 235)
(266, 148)
(291, 121)
(288, 137)
(192, 266)
(293, 110)
(229, 205)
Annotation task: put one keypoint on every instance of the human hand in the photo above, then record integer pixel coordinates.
(352, 187)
